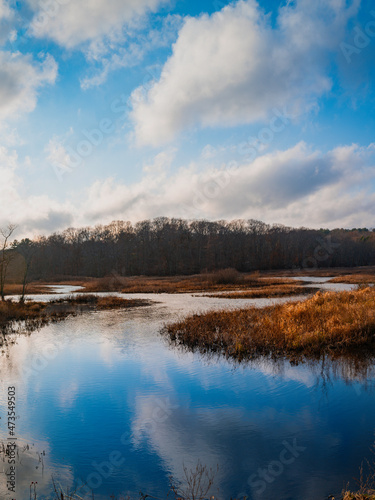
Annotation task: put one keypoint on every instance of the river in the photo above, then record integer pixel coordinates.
(103, 399)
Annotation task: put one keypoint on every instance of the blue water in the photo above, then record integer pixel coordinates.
(107, 387)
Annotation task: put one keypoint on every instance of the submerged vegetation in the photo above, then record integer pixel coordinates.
(327, 323)
(366, 482)
(106, 302)
(37, 314)
(369, 495)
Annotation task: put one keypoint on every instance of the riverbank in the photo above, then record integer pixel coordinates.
(334, 323)
(36, 314)
(226, 280)
(271, 291)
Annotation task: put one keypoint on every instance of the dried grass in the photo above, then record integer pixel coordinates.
(271, 291)
(331, 322)
(355, 279)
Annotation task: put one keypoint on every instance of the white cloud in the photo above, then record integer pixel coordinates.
(6, 21)
(233, 67)
(5, 11)
(129, 49)
(299, 186)
(20, 79)
(56, 151)
(33, 214)
(296, 187)
(72, 23)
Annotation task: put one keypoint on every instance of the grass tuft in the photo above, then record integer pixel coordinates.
(271, 291)
(333, 323)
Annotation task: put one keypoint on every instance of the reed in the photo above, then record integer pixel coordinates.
(271, 291)
(36, 314)
(355, 279)
(224, 280)
(333, 323)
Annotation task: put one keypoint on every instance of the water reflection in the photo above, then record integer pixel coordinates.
(113, 405)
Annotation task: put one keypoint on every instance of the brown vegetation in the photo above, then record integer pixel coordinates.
(15, 311)
(272, 291)
(366, 482)
(216, 281)
(355, 279)
(348, 495)
(225, 280)
(35, 314)
(32, 289)
(170, 246)
(334, 323)
(107, 302)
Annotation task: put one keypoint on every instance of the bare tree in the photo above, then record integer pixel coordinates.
(5, 255)
(196, 483)
(27, 249)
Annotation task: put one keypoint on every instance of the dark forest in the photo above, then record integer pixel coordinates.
(166, 247)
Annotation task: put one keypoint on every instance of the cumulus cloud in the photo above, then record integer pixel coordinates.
(129, 49)
(296, 187)
(5, 11)
(33, 214)
(75, 22)
(234, 67)
(20, 80)
(6, 18)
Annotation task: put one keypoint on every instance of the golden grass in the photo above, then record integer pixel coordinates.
(38, 313)
(27, 317)
(222, 280)
(108, 302)
(215, 282)
(272, 291)
(15, 311)
(355, 279)
(335, 323)
(358, 496)
(32, 289)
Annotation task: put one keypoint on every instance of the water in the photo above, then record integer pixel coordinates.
(65, 289)
(106, 386)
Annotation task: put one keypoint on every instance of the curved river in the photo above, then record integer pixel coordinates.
(103, 400)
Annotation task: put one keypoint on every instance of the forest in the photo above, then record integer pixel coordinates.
(167, 247)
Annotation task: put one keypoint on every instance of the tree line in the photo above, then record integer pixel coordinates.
(165, 247)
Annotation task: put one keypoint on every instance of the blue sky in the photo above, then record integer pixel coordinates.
(133, 109)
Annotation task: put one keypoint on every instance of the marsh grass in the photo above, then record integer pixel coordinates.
(358, 496)
(36, 314)
(28, 316)
(355, 279)
(271, 291)
(366, 482)
(225, 280)
(327, 323)
(101, 303)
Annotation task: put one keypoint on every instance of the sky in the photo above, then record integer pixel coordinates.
(135, 109)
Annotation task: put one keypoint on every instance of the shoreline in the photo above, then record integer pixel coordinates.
(227, 280)
(330, 323)
(37, 314)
